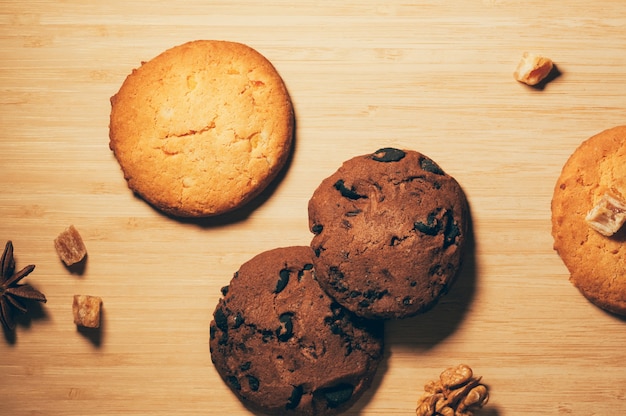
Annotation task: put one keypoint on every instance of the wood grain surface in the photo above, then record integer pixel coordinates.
(434, 76)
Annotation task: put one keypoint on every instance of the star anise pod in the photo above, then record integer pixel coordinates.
(12, 294)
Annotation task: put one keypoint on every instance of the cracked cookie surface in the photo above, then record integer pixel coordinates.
(389, 233)
(283, 346)
(596, 262)
(202, 128)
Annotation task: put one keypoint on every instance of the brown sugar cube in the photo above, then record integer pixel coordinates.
(86, 310)
(70, 246)
(607, 216)
(532, 69)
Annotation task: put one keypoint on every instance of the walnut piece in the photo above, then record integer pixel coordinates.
(607, 216)
(86, 310)
(456, 393)
(532, 69)
(70, 246)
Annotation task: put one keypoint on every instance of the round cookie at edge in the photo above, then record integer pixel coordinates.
(202, 128)
(597, 263)
(389, 233)
(283, 346)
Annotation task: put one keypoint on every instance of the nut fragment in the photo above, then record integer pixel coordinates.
(607, 216)
(456, 393)
(70, 246)
(86, 310)
(532, 69)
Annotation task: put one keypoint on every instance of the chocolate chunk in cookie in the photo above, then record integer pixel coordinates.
(389, 233)
(283, 346)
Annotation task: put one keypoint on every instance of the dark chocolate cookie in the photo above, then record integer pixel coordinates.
(284, 346)
(390, 231)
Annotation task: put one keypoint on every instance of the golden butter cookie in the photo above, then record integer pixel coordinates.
(202, 128)
(596, 262)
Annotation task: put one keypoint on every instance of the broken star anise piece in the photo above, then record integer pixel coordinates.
(12, 294)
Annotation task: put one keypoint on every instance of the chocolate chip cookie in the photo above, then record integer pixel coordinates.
(588, 202)
(284, 346)
(202, 128)
(389, 233)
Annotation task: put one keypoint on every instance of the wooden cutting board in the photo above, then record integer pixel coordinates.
(434, 76)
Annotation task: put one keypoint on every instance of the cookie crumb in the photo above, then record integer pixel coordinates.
(532, 69)
(70, 247)
(86, 310)
(607, 216)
